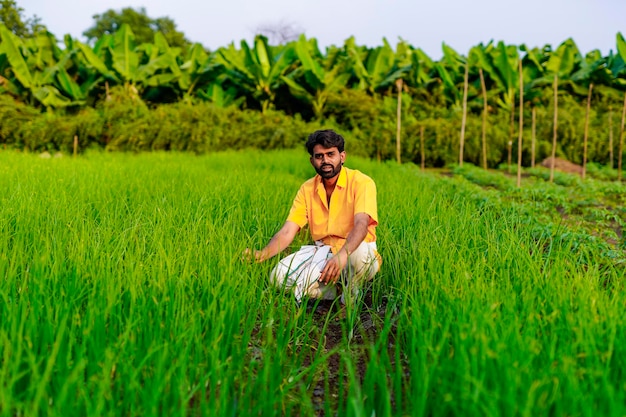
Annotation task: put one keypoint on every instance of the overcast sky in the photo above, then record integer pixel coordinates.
(461, 24)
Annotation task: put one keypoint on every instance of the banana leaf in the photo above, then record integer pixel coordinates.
(621, 45)
(11, 46)
(125, 59)
(92, 60)
(563, 61)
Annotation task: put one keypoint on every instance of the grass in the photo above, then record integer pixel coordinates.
(122, 292)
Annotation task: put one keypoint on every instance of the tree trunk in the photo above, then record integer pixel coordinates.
(399, 84)
(423, 156)
(621, 142)
(521, 125)
(611, 137)
(464, 117)
(75, 145)
(554, 127)
(533, 137)
(485, 110)
(584, 171)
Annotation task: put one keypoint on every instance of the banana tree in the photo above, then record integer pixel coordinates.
(613, 91)
(560, 66)
(477, 57)
(593, 72)
(258, 72)
(377, 69)
(533, 64)
(451, 70)
(520, 129)
(619, 71)
(420, 82)
(91, 68)
(137, 67)
(503, 69)
(464, 116)
(23, 81)
(221, 97)
(421, 76)
(200, 76)
(454, 72)
(317, 76)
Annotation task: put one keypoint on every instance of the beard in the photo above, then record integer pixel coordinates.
(329, 173)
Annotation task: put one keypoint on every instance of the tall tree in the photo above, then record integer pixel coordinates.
(12, 16)
(279, 32)
(143, 26)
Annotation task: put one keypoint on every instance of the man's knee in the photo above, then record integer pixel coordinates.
(278, 276)
(364, 262)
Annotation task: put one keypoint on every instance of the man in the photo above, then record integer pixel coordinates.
(339, 206)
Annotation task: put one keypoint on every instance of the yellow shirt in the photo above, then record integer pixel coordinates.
(354, 193)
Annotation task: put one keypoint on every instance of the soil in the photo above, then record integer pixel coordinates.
(329, 383)
(366, 329)
(562, 165)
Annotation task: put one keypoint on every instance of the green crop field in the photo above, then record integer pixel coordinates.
(123, 293)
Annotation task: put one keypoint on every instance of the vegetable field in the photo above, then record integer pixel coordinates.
(123, 292)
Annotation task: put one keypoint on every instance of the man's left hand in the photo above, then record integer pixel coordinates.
(334, 266)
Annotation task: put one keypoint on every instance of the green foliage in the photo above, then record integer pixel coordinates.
(144, 27)
(204, 127)
(196, 127)
(257, 72)
(351, 87)
(13, 115)
(12, 16)
(317, 77)
(485, 178)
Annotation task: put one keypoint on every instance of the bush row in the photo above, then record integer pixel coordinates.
(123, 122)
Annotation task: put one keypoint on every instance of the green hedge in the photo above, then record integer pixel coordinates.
(123, 122)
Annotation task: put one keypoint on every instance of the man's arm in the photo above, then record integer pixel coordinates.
(277, 243)
(334, 266)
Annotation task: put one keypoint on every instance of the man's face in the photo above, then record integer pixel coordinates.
(327, 161)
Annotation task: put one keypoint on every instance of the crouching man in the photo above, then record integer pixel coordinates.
(339, 206)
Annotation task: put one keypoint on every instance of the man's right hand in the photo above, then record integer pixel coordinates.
(251, 255)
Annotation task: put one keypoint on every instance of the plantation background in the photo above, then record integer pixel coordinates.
(128, 92)
(123, 290)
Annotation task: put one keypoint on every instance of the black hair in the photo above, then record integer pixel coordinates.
(327, 138)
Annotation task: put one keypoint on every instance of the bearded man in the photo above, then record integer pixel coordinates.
(339, 207)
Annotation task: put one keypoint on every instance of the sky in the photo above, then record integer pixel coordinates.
(425, 24)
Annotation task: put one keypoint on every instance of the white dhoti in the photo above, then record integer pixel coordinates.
(300, 271)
